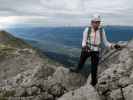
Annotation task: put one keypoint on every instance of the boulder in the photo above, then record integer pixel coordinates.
(83, 93)
(128, 92)
(69, 80)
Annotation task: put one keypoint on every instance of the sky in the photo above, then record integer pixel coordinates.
(64, 12)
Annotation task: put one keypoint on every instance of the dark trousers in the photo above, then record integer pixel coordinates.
(94, 63)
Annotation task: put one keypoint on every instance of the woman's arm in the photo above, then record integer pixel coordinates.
(105, 41)
(85, 35)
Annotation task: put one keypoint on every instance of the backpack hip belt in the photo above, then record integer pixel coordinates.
(95, 45)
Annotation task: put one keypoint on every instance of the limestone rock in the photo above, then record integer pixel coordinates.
(83, 93)
(128, 92)
(69, 79)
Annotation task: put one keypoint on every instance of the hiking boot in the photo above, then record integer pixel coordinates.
(74, 69)
(93, 83)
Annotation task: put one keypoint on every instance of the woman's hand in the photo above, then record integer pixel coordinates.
(117, 46)
(85, 48)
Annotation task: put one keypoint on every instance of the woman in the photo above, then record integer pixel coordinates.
(93, 36)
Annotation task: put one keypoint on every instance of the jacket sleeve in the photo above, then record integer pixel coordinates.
(105, 41)
(84, 40)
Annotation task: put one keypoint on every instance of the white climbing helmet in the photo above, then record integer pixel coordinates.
(96, 17)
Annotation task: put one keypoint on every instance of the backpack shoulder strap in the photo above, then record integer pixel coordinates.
(89, 32)
(101, 29)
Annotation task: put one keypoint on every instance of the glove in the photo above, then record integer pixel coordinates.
(117, 46)
(85, 48)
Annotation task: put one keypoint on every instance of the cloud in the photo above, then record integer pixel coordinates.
(67, 12)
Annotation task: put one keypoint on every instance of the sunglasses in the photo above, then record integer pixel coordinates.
(97, 22)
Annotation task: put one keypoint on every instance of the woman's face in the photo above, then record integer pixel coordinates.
(95, 24)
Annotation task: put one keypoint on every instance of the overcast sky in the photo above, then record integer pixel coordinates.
(64, 12)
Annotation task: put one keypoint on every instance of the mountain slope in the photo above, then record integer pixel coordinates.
(26, 74)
